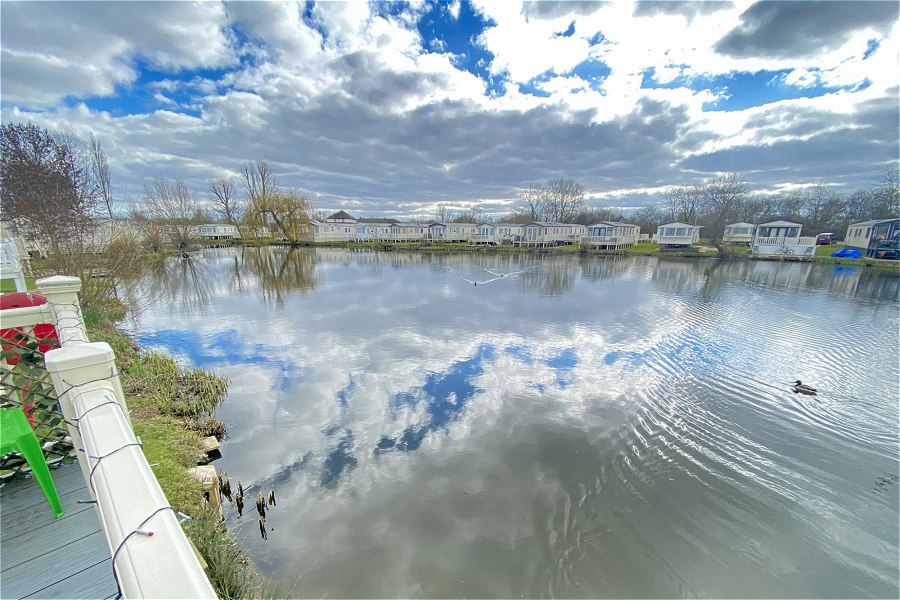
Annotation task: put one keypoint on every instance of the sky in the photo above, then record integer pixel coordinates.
(392, 108)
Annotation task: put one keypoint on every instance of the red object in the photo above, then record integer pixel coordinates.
(43, 333)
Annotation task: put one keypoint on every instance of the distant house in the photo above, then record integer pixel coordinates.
(870, 236)
(739, 233)
(782, 238)
(484, 234)
(611, 235)
(408, 232)
(460, 232)
(546, 233)
(507, 233)
(215, 231)
(677, 234)
(340, 217)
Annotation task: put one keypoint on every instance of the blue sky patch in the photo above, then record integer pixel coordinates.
(563, 363)
(445, 396)
(595, 72)
(340, 459)
(222, 347)
(739, 90)
(441, 33)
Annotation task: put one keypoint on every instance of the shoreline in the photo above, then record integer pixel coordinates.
(643, 249)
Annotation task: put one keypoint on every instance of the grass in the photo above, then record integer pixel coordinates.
(9, 285)
(167, 403)
(823, 256)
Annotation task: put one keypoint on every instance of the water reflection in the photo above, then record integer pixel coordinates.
(580, 427)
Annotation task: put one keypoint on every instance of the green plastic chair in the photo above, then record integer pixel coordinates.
(16, 434)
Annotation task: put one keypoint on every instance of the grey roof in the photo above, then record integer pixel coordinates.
(340, 215)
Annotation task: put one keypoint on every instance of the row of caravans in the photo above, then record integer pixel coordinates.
(341, 227)
(873, 238)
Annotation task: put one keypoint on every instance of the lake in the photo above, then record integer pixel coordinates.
(508, 426)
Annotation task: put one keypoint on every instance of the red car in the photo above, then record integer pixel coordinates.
(825, 239)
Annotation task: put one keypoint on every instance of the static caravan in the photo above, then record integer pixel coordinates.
(677, 234)
(874, 237)
(546, 233)
(215, 231)
(611, 234)
(507, 233)
(460, 232)
(484, 234)
(739, 233)
(782, 238)
(409, 232)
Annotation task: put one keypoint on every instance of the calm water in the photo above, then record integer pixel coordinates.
(602, 427)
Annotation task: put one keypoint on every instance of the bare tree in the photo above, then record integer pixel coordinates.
(722, 199)
(100, 164)
(258, 181)
(683, 203)
(443, 214)
(225, 199)
(565, 199)
(170, 204)
(888, 194)
(532, 202)
(648, 217)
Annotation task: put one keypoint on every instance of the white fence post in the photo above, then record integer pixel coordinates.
(62, 293)
(152, 557)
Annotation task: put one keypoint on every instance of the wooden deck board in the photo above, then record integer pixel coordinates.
(47, 557)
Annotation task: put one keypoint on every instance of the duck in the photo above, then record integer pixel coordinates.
(802, 388)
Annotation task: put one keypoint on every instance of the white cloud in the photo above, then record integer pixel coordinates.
(354, 106)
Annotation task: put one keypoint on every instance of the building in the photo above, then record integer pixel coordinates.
(677, 234)
(611, 235)
(215, 231)
(871, 236)
(739, 233)
(782, 238)
(546, 233)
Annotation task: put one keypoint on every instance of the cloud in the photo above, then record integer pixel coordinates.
(390, 109)
(802, 29)
(55, 49)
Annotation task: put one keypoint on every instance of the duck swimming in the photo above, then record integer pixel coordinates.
(802, 388)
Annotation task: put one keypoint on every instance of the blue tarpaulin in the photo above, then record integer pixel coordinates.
(847, 253)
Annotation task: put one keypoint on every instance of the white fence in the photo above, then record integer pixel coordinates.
(152, 557)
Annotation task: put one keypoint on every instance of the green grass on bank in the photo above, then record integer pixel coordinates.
(169, 406)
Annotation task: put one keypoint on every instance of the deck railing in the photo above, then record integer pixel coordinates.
(785, 241)
(152, 557)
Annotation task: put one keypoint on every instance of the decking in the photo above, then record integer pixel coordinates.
(45, 557)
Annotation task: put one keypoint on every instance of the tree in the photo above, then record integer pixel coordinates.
(225, 199)
(171, 206)
(473, 215)
(532, 200)
(887, 194)
(100, 165)
(443, 214)
(287, 210)
(564, 200)
(649, 217)
(258, 181)
(683, 203)
(823, 209)
(47, 189)
(722, 200)
(559, 200)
